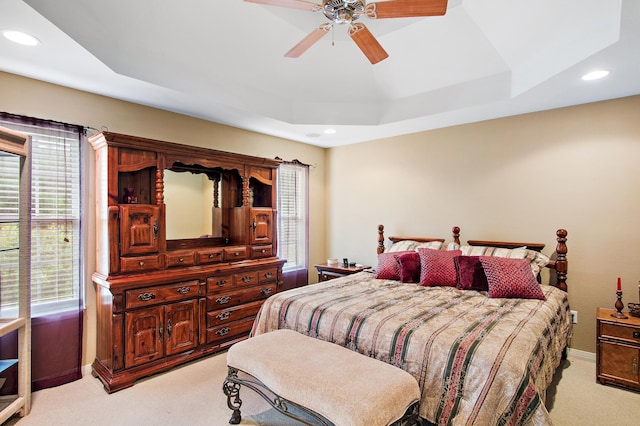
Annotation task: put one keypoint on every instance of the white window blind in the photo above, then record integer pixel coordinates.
(293, 215)
(55, 217)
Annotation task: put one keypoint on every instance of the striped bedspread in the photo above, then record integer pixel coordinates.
(478, 360)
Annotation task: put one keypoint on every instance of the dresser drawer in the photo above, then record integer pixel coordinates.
(620, 332)
(186, 258)
(246, 279)
(261, 251)
(232, 254)
(218, 284)
(160, 294)
(268, 275)
(225, 300)
(259, 293)
(230, 330)
(216, 318)
(210, 256)
(140, 263)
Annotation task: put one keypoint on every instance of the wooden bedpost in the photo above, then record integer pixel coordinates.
(456, 234)
(380, 239)
(561, 259)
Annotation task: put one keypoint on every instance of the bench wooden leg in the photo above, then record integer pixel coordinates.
(231, 388)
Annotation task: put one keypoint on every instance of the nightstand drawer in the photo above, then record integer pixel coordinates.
(620, 332)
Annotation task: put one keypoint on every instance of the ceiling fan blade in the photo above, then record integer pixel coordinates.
(293, 4)
(367, 43)
(406, 9)
(308, 41)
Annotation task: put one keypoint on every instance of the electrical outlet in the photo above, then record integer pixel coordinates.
(574, 317)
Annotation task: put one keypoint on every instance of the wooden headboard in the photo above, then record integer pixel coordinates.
(559, 264)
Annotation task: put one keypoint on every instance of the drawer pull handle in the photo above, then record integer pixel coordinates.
(184, 290)
(145, 297)
(141, 264)
(223, 300)
(210, 256)
(266, 291)
(236, 253)
(268, 275)
(223, 316)
(246, 279)
(221, 283)
(636, 334)
(223, 331)
(181, 259)
(263, 251)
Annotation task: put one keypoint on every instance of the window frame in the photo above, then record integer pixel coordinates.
(54, 207)
(297, 211)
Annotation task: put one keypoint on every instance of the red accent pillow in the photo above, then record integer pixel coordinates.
(511, 278)
(388, 266)
(469, 273)
(437, 267)
(409, 267)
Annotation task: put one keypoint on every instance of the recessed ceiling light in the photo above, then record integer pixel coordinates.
(594, 75)
(20, 38)
(330, 131)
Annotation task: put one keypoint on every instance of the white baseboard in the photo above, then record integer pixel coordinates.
(86, 370)
(587, 356)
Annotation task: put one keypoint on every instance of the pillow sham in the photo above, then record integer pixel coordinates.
(470, 274)
(537, 260)
(437, 267)
(411, 245)
(409, 267)
(510, 278)
(388, 266)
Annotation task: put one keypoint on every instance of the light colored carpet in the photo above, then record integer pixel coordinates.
(192, 395)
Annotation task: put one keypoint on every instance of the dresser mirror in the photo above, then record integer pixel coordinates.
(189, 205)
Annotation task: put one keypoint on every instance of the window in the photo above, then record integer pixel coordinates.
(293, 215)
(55, 217)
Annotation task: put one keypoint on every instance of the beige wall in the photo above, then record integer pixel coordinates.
(42, 100)
(518, 178)
(514, 178)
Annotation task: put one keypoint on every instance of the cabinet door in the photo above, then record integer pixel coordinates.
(261, 226)
(144, 330)
(182, 326)
(619, 362)
(139, 229)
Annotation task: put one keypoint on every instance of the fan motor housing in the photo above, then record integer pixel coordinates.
(343, 11)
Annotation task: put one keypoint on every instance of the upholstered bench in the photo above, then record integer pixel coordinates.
(318, 382)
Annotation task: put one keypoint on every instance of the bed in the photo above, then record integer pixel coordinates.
(481, 354)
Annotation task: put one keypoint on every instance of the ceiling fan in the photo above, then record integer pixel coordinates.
(347, 11)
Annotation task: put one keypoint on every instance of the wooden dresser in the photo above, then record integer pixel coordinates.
(177, 277)
(618, 349)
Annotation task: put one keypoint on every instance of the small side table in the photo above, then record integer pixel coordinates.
(326, 272)
(618, 350)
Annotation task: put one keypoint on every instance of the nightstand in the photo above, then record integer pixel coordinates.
(618, 349)
(326, 272)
